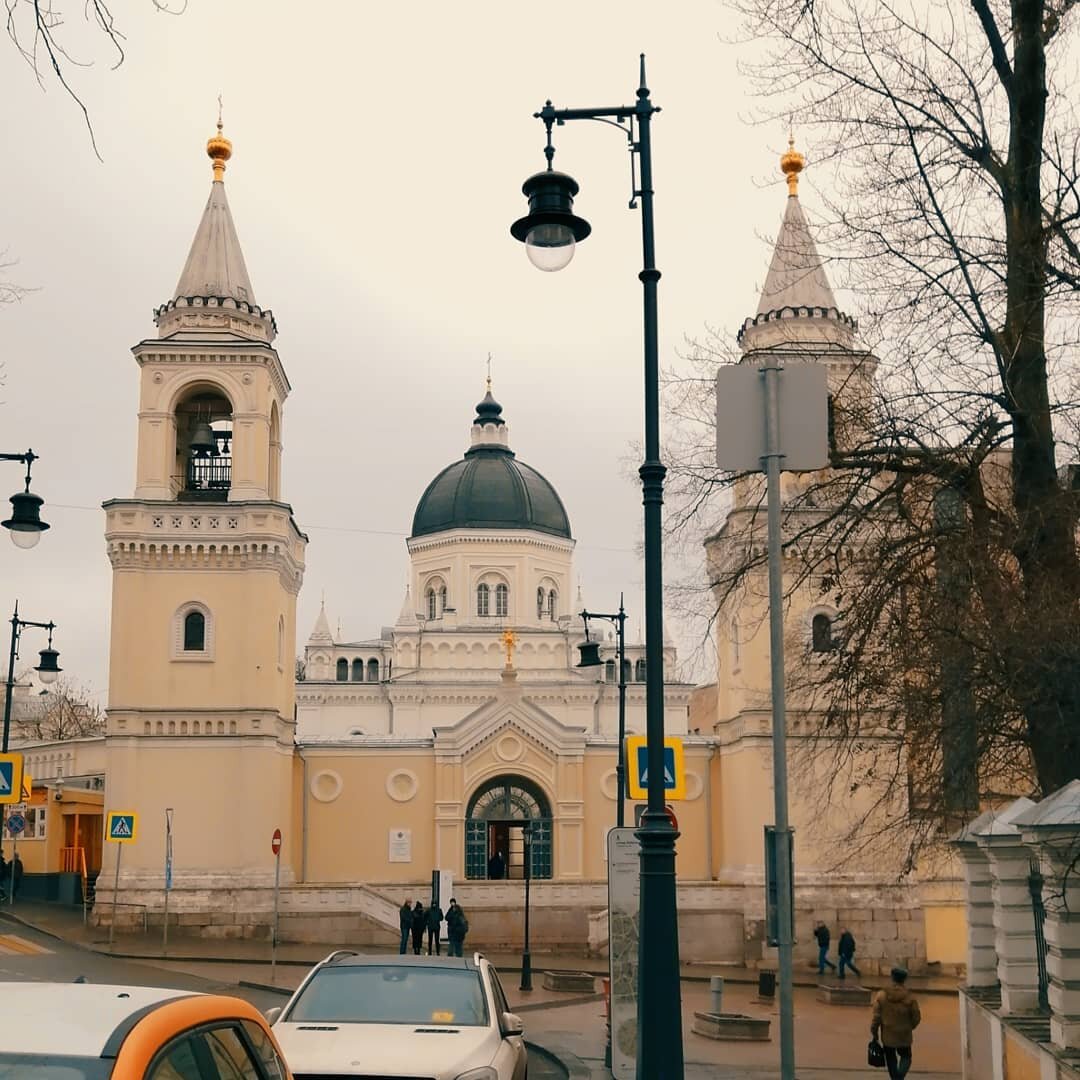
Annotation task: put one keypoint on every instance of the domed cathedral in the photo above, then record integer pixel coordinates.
(798, 320)
(207, 563)
(468, 717)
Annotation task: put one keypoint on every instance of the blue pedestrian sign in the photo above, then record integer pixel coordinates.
(11, 775)
(121, 827)
(15, 824)
(637, 754)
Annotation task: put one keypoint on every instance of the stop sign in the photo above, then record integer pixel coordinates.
(275, 843)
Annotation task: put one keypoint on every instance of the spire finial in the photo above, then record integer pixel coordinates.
(489, 373)
(791, 164)
(219, 149)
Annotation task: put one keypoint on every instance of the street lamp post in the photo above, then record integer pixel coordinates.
(47, 668)
(590, 657)
(526, 955)
(25, 524)
(550, 232)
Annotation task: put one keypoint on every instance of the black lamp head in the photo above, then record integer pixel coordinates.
(48, 668)
(25, 522)
(590, 654)
(551, 230)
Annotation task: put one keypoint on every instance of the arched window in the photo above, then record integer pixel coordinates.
(442, 600)
(432, 605)
(343, 670)
(821, 634)
(483, 600)
(540, 603)
(639, 671)
(358, 670)
(495, 825)
(502, 601)
(609, 671)
(281, 641)
(373, 670)
(194, 632)
(553, 603)
(626, 671)
(736, 645)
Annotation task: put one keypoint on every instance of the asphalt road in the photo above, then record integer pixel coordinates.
(29, 956)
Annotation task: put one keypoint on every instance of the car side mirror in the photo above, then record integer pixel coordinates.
(512, 1024)
(272, 1014)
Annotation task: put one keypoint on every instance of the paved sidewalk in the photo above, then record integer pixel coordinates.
(830, 1040)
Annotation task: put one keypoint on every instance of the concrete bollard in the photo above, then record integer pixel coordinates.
(716, 994)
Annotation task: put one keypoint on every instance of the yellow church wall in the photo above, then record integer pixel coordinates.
(247, 669)
(946, 934)
(227, 795)
(348, 835)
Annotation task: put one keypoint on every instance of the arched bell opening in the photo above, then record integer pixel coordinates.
(204, 446)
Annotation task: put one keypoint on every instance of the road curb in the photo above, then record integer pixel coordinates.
(575, 1068)
(268, 988)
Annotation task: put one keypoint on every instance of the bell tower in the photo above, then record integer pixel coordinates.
(207, 563)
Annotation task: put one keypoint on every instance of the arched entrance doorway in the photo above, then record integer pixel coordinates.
(494, 825)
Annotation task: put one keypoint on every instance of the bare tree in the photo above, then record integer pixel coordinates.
(65, 711)
(945, 532)
(41, 35)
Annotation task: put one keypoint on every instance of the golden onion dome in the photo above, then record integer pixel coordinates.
(791, 164)
(219, 150)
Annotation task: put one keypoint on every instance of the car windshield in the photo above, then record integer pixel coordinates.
(52, 1067)
(389, 994)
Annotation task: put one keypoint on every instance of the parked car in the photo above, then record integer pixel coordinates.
(82, 1031)
(421, 1017)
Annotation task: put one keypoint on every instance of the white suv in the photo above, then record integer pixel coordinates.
(413, 1017)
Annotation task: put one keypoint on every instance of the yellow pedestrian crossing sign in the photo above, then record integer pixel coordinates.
(11, 778)
(122, 826)
(637, 767)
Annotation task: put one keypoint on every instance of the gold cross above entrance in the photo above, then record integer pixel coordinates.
(509, 640)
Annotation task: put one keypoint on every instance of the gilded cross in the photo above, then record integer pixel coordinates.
(509, 640)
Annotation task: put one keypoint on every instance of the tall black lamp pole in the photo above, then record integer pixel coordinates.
(590, 657)
(550, 233)
(47, 668)
(526, 956)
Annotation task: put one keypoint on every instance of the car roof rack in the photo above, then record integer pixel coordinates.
(340, 954)
(477, 957)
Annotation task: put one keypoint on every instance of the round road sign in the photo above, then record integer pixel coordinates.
(275, 843)
(671, 817)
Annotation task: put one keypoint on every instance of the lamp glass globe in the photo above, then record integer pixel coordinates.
(550, 247)
(25, 538)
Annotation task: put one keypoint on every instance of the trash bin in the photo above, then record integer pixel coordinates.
(766, 984)
(716, 995)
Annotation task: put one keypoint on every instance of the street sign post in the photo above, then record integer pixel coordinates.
(275, 847)
(637, 760)
(11, 772)
(121, 827)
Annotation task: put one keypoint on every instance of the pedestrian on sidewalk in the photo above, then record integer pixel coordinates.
(845, 949)
(896, 1015)
(457, 926)
(434, 925)
(821, 933)
(16, 876)
(405, 923)
(419, 923)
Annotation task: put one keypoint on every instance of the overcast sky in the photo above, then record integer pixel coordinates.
(379, 151)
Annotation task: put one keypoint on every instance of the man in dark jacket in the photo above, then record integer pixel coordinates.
(434, 925)
(821, 933)
(16, 875)
(896, 1016)
(845, 949)
(405, 923)
(457, 926)
(419, 924)
(496, 867)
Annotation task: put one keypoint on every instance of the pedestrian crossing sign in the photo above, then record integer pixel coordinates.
(122, 827)
(637, 768)
(11, 778)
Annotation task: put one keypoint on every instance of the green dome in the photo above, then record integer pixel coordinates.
(490, 489)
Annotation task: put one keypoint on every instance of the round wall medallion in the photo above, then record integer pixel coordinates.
(247, 378)
(609, 785)
(402, 785)
(510, 748)
(158, 377)
(326, 785)
(694, 786)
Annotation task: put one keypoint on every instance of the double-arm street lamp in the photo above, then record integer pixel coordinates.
(25, 523)
(590, 657)
(550, 232)
(47, 668)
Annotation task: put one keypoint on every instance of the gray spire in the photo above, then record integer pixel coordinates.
(215, 264)
(321, 634)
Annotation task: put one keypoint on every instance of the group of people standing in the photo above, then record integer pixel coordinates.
(415, 919)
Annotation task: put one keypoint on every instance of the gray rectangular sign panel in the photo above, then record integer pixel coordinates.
(624, 899)
(804, 417)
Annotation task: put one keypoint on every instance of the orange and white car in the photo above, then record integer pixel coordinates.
(82, 1031)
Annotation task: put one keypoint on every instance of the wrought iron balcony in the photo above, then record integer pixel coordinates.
(208, 479)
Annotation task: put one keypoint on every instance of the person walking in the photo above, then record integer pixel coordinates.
(405, 923)
(434, 917)
(896, 1016)
(16, 876)
(821, 933)
(845, 950)
(457, 926)
(419, 923)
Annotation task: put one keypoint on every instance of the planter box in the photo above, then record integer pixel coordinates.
(843, 995)
(580, 982)
(731, 1026)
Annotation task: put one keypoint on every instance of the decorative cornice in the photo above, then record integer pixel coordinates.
(831, 314)
(218, 353)
(504, 538)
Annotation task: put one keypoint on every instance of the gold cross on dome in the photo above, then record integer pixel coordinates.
(509, 640)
